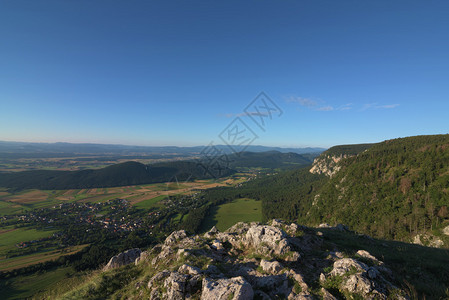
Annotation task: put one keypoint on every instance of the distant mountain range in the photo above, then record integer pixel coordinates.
(70, 149)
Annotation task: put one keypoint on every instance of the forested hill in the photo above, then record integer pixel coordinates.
(395, 189)
(347, 150)
(128, 173)
(268, 159)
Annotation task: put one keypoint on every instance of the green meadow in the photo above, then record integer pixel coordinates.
(240, 210)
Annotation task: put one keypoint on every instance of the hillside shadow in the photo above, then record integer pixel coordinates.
(426, 269)
(210, 220)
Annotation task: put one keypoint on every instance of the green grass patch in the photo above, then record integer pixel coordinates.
(179, 217)
(149, 203)
(240, 210)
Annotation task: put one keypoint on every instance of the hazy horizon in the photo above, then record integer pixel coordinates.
(131, 145)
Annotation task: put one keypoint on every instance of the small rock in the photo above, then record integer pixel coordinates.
(176, 285)
(211, 233)
(299, 279)
(366, 254)
(154, 295)
(142, 257)
(293, 256)
(217, 245)
(293, 229)
(122, 259)
(277, 223)
(357, 284)
(446, 230)
(239, 228)
(181, 253)
(345, 265)
(324, 225)
(163, 254)
(270, 267)
(267, 239)
(236, 288)
(158, 277)
(336, 254)
(186, 269)
(175, 236)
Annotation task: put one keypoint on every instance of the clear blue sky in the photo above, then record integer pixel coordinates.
(178, 72)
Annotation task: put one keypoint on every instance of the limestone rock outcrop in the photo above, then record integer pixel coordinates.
(123, 258)
(255, 261)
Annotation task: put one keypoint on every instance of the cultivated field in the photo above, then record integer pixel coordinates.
(38, 257)
(143, 196)
(10, 236)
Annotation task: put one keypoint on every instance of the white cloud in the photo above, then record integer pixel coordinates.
(320, 105)
(389, 106)
(325, 108)
(316, 105)
(346, 106)
(307, 102)
(377, 106)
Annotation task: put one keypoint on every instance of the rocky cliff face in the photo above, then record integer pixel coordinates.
(255, 261)
(327, 164)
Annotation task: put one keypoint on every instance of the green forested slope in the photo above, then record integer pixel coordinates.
(347, 149)
(395, 189)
